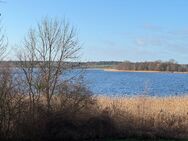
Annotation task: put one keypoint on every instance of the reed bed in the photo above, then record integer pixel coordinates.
(174, 104)
(165, 117)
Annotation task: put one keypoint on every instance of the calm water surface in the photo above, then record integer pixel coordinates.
(136, 83)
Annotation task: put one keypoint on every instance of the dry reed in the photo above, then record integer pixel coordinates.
(148, 116)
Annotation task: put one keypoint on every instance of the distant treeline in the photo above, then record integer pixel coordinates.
(91, 64)
(171, 66)
(38, 63)
(102, 64)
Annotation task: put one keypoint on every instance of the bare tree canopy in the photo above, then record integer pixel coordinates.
(47, 49)
(3, 42)
(52, 40)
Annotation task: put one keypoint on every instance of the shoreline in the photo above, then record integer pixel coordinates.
(116, 70)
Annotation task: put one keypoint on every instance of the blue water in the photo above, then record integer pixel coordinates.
(132, 83)
(135, 83)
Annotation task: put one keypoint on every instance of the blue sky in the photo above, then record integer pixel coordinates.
(136, 30)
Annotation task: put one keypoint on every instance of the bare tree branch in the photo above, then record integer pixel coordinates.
(47, 49)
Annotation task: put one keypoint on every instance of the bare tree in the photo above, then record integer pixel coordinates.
(47, 52)
(3, 42)
(5, 87)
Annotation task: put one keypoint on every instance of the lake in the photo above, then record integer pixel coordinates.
(135, 83)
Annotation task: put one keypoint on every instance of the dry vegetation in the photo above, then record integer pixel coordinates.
(75, 114)
(153, 117)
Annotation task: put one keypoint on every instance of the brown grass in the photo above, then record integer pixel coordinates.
(152, 105)
(149, 116)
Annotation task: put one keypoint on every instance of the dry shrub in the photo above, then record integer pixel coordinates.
(67, 119)
(72, 107)
(73, 98)
(77, 116)
(10, 103)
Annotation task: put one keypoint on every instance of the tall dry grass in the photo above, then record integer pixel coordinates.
(144, 116)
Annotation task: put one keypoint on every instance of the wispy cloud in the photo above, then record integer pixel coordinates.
(152, 27)
(109, 43)
(180, 32)
(169, 40)
(151, 41)
(163, 44)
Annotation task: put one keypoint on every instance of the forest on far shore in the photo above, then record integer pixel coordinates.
(170, 66)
